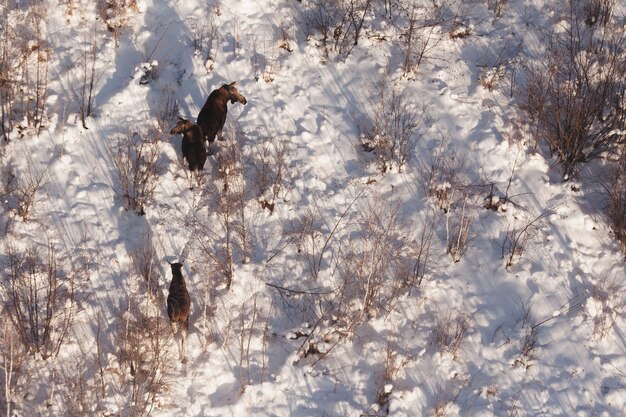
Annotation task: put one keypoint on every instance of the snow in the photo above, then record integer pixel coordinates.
(263, 347)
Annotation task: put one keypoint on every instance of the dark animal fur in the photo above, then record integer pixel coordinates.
(179, 305)
(213, 114)
(193, 145)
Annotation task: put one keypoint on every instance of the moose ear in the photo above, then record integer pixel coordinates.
(180, 118)
(233, 83)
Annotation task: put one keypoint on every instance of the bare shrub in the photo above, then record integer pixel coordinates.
(131, 380)
(69, 7)
(394, 127)
(146, 360)
(421, 32)
(379, 264)
(528, 331)
(446, 180)
(251, 349)
(135, 158)
(307, 233)
(223, 232)
(615, 190)
(205, 37)
(598, 12)
(527, 346)
(370, 272)
(373, 267)
(213, 238)
(575, 95)
(24, 57)
(39, 295)
(338, 23)
(419, 251)
(450, 331)
(513, 405)
(314, 242)
(115, 15)
(286, 37)
(233, 200)
(500, 200)
(146, 265)
(605, 304)
(272, 63)
(23, 189)
(236, 36)
(207, 314)
(445, 401)
(89, 381)
(274, 171)
(168, 109)
(459, 29)
(393, 364)
(230, 166)
(517, 239)
(444, 176)
(384, 248)
(458, 226)
(267, 63)
(81, 75)
(12, 357)
(495, 69)
(87, 80)
(81, 394)
(497, 6)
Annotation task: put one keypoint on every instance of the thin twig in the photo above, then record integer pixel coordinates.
(332, 232)
(278, 287)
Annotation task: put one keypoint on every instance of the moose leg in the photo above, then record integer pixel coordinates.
(191, 175)
(211, 149)
(183, 345)
(199, 178)
(210, 137)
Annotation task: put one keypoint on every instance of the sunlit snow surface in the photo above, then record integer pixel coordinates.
(250, 350)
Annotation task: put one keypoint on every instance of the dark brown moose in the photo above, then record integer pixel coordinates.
(193, 148)
(212, 116)
(179, 306)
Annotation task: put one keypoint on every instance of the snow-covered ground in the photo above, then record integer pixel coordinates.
(324, 316)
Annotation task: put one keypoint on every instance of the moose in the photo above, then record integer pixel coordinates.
(179, 306)
(212, 116)
(193, 147)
